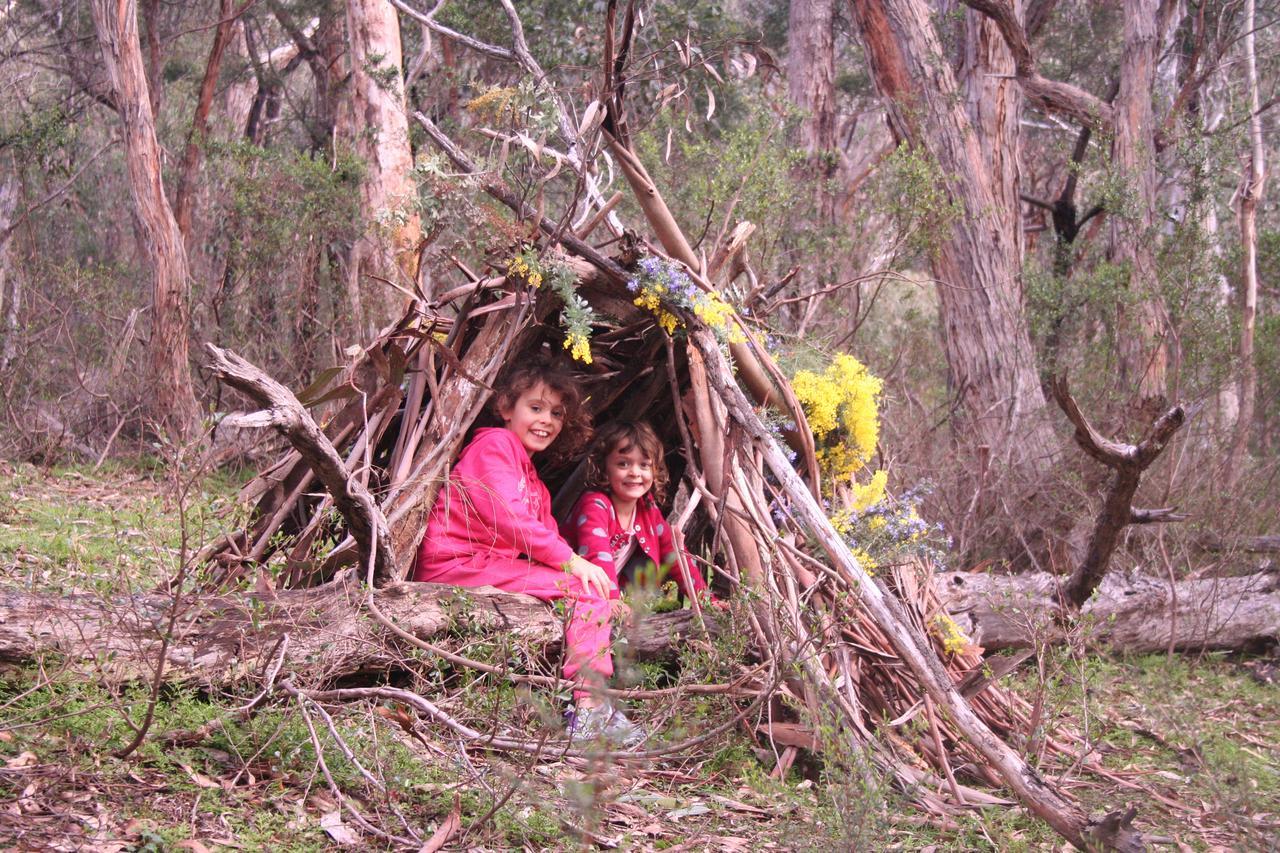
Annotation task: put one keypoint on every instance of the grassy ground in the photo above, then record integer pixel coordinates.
(1194, 743)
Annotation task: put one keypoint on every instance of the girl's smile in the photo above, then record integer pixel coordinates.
(630, 472)
(536, 417)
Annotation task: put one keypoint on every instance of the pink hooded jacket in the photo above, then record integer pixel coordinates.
(494, 507)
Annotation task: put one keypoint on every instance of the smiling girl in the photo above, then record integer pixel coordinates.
(492, 526)
(617, 525)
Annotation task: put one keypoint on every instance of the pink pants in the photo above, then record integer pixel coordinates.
(587, 634)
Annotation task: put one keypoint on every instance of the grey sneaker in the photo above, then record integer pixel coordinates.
(604, 722)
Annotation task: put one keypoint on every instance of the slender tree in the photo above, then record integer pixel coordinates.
(1250, 195)
(170, 400)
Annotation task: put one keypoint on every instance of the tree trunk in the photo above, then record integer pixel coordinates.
(10, 292)
(993, 100)
(1136, 614)
(978, 262)
(373, 120)
(170, 401)
(1250, 196)
(223, 641)
(184, 197)
(811, 80)
(1140, 318)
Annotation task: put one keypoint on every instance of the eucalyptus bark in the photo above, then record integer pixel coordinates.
(1140, 315)
(977, 261)
(811, 79)
(170, 401)
(1250, 195)
(372, 119)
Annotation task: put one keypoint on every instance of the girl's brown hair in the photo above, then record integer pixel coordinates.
(576, 430)
(624, 435)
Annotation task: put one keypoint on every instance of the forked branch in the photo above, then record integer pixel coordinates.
(1128, 461)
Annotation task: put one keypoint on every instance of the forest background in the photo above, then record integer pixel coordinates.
(971, 198)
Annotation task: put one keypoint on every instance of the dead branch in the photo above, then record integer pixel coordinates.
(286, 415)
(1128, 461)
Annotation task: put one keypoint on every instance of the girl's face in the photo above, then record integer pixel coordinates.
(536, 417)
(630, 472)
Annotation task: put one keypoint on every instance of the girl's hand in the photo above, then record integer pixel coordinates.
(591, 576)
(619, 610)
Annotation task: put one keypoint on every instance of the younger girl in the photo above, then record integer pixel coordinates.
(492, 526)
(617, 525)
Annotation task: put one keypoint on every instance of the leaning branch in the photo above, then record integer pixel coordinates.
(1051, 96)
(286, 415)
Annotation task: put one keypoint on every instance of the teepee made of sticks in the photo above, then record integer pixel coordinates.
(857, 647)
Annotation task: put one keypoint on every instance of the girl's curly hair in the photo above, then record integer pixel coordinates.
(624, 435)
(576, 430)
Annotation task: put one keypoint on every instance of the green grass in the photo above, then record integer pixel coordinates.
(72, 529)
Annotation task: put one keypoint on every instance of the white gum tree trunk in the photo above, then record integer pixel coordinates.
(373, 121)
(170, 401)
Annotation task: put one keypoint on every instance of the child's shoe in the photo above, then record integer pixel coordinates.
(604, 722)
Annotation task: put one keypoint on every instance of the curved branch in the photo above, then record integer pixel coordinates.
(1051, 96)
(286, 415)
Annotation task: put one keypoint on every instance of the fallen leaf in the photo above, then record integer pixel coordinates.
(6, 736)
(447, 829)
(199, 779)
(332, 824)
(23, 759)
(192, 845)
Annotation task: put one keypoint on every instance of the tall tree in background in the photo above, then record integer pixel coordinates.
(811, 79)
(1255, 178)
(170, 401)
(1140, 326)
(373, 120)
(978, 262)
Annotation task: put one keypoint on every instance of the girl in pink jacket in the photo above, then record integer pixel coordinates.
(617, 524)
(492, 526)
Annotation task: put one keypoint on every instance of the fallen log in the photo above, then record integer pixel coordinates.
(225, 640)
(1125, 614)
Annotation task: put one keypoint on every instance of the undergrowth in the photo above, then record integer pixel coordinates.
(1192, 741)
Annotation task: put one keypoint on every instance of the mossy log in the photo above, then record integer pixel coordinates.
(229, 640)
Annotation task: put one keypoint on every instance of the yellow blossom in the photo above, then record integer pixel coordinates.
(842, 398)
(869, 563)
(579, 347)
(953, 639)
(870, 494)
(493, 103)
